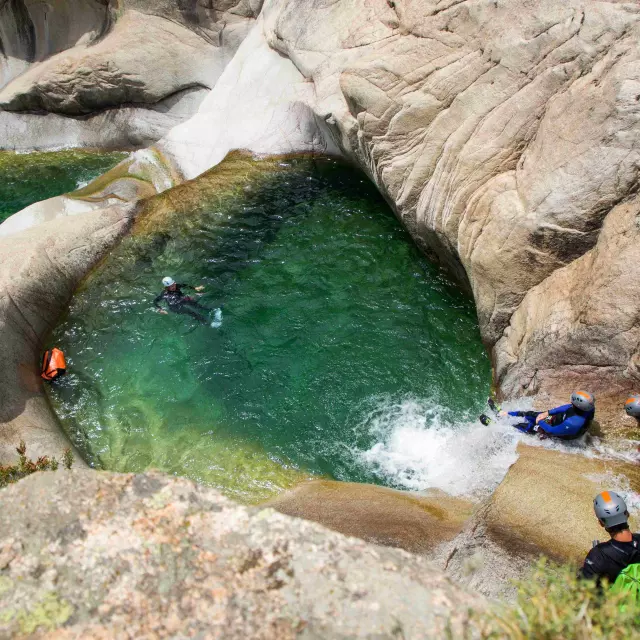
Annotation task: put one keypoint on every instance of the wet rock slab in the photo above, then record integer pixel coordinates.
(86, 554)
(545, 501)
(410, 521)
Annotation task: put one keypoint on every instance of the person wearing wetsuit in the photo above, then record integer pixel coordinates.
(566, 422)
(178, 302)
(606, 560)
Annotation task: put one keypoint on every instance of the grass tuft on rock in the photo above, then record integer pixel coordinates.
(25, 466)
(553, 604)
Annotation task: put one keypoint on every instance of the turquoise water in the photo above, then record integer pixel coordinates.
(26, 178)
(331, 316)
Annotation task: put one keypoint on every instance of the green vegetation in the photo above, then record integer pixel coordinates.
(26, 466)
(553, 604)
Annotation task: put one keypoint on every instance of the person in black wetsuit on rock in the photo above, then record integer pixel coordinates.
(608, 559)
(178, 302)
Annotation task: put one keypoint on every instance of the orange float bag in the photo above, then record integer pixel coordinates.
(53, 364)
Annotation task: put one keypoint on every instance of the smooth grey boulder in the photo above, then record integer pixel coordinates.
(39, 270)
(90, 59)
(105, 555)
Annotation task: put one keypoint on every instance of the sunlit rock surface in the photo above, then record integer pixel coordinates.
(107, 555)
(110, 74)
(503, 133)
(410, 521)
(544, 506)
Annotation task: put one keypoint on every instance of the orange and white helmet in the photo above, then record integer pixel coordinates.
(610, 509)
(583, 401)
(632, 406)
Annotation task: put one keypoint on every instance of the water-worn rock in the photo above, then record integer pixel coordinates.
(463, 113)
(545, 501)
(105, 555)
(85, 57)
(378, 515)
(581, 326)
(543, 506)
(39, 270)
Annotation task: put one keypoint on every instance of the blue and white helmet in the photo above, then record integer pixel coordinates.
(167, 281)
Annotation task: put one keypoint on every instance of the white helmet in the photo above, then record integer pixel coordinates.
(167, 281)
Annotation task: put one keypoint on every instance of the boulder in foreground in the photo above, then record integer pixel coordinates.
(106, 555)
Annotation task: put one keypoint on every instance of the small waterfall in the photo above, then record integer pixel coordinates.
(420, 445)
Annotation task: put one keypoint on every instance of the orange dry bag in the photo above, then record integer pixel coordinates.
(53, 364)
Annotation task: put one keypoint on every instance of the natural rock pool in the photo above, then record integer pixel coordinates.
(26, 178)
(342, 351)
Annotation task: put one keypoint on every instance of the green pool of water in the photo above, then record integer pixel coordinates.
(26, 178)
(330, 313)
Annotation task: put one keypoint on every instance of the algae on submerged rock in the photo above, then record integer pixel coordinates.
(26, 178)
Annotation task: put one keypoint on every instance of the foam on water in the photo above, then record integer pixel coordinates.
(420, 445)
(217, 319)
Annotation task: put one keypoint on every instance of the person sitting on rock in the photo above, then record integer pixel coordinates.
(178, 302)
(608, 560)
(567, 421)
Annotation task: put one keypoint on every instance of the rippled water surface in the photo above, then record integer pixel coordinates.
(26, 178)
(337, 335)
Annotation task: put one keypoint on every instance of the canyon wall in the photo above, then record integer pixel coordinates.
(503, 133)
(109, 73)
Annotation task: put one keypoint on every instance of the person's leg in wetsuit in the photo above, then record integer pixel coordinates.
(185, 310)
(196, 305)
(529, 422)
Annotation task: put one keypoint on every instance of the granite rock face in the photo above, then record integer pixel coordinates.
(104, 555)
(543, 506)
(154, 60)
(410, 521)
(503, 132)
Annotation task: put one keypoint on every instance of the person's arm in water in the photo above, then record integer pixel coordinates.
(188, 286)
(157, 301)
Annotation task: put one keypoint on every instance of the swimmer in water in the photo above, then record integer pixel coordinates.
(178, 302)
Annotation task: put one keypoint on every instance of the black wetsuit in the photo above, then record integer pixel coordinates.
(608, 559)
(178, 302)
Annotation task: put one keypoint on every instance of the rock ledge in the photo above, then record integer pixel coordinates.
(106, 555)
